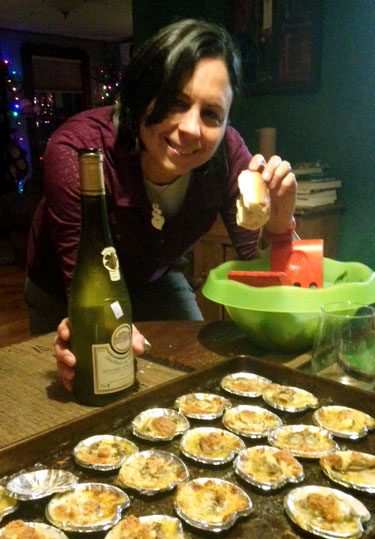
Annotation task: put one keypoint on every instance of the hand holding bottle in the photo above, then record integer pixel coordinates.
(66, 360)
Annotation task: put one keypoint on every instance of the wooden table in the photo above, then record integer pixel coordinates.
(33, 400)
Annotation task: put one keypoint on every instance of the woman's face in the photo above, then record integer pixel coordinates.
(194, 127)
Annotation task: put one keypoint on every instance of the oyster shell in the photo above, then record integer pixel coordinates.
(163, 525)
(304, 441)
(18, 528)
(7, 504)
(159, 424)
(211, 504)
(268, 467)
(90, 507)
(210, 445)
(250, 421)
(153, 471)
(202, 405)
(344, 422)
(326, 512)
(352, 469)
(103, 452)
(40, 483)
(245, 384)
(289, 398)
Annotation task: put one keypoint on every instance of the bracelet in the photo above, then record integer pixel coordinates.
(284, 236)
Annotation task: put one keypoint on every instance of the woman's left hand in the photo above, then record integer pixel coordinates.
(282, 186)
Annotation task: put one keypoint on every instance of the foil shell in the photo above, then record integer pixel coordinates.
(182, 423)
(8, 504)
(153, 453)
(273, 439)
(97, 438)
(225, 383)
(261, 433)
(338, 478)
(100, 524)
(48, 531)
(264, 485)
(204, 524)
(225, 403)
(299, 493)
(160, 519)
(205, 459)
(268, 399)
(341, 433)
(40, 483)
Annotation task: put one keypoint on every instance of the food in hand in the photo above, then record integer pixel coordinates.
(253, 205)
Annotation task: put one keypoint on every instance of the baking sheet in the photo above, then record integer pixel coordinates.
(268, 519)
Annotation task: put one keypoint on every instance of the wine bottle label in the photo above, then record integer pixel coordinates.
(110, 262)
(113, 364)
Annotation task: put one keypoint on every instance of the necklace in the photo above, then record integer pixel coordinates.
(157, 219)
(166, 199)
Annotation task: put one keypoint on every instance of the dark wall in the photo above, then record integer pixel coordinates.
(336, 124)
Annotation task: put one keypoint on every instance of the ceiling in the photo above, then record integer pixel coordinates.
(103, 20)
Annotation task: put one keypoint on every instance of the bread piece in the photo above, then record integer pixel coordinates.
(253, 205)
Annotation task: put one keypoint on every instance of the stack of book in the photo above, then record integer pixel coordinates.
(315, 185)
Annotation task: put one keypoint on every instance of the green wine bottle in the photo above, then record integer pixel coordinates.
(99, 307)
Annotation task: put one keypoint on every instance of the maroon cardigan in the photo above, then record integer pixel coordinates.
(145, 253)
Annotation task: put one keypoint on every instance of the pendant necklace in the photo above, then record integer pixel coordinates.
(157, 219)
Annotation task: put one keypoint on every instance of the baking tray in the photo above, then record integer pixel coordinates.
(268, 519)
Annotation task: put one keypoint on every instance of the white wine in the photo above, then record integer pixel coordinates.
(99, 307)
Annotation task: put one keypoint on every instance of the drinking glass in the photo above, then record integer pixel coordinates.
(344, 344)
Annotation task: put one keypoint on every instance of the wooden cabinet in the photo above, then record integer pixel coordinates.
(215, 247)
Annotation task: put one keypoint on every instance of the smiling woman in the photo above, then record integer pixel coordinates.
(194, 128)
(168, 137)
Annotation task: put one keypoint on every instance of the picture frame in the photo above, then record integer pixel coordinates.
(280, 42)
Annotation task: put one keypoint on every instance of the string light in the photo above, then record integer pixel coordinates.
(18, 168)
(108, 82)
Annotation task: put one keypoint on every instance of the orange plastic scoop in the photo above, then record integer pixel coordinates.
(293, 263)
(301, 260)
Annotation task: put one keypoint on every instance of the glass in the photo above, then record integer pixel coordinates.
(344, 345)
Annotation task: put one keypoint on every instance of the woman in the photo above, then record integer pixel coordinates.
(171, 163)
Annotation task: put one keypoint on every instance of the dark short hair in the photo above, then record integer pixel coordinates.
(162, 64)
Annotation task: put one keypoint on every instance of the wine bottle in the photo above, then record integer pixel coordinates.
(99, 307)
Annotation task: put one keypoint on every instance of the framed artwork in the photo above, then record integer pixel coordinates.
(280, 43)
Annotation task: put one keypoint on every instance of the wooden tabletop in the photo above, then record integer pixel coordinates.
(32, 399)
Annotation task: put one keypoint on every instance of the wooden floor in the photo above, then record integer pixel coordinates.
(14, 326)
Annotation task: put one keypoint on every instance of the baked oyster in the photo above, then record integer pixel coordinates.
(210, 445)
(90, 507)
(245, 384)
(250, 421)
(103, 452)
(303, 440)
(289, 398)
(153, 471)
(352, 469)
(344, 422)
(147, 527)
(18, 529)
(326, 512)
(211, 504)
(159, 424)
(7, 503)
(268, 467)
(202, 405)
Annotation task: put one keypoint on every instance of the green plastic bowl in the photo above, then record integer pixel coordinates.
(284, 318)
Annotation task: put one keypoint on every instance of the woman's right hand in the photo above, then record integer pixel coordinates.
(65, 359)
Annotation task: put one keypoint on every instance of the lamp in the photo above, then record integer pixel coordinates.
(64, 6)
